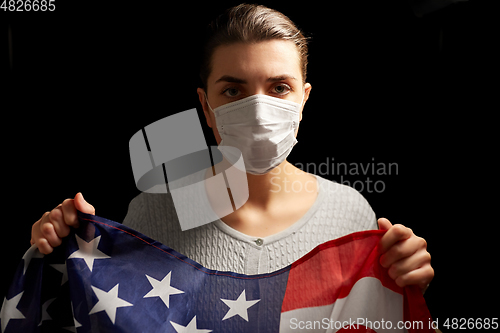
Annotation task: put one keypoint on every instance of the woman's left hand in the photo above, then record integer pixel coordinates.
(405, 254)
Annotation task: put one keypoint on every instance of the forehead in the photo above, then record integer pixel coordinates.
(256, 61)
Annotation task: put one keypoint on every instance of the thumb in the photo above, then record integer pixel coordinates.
(82, 205)
(384, 224)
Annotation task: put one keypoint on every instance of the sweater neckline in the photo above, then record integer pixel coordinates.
(262, 241)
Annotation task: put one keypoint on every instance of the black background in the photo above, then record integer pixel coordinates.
(386, 88)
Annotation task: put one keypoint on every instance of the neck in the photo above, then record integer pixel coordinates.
(274, 187)
(264, 190)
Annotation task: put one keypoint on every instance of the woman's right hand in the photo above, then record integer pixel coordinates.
(49, 230)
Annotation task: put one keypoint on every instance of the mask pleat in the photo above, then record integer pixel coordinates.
(261, 127)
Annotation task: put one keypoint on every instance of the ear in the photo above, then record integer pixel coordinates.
(204, 105)
(307, 91)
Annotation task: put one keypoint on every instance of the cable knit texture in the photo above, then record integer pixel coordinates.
(338, 210)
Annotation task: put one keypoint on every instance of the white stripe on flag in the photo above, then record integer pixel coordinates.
(368, 302)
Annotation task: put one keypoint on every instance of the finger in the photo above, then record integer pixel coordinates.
(44, 246)
(50, 234)
(38, 239)
(421, 277)
(82, 205)
(69, 213)
(40, 231)
(402, 249)
(406, 265)
(56, 218)
(384, 224)
(395, 234)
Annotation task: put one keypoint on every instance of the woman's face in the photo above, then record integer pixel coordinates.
(240, 70)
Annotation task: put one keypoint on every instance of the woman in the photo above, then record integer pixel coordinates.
(257, 56)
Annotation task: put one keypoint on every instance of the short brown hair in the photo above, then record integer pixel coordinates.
(250, 23)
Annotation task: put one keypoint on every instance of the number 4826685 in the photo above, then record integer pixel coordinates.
(28, 5)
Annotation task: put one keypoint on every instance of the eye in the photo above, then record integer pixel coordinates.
(231, 92)
(282, 89)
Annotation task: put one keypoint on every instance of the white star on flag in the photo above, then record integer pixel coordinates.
(10, 311)
(238, 307)
(108, 301)
(162, 289)
(88, 251)
(190, 328)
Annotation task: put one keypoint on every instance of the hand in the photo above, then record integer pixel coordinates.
(49, 230)
(405, 255)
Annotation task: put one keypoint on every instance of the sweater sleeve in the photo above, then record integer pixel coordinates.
(154, 215)
(372, 220)
(363, 216)
(135, 213)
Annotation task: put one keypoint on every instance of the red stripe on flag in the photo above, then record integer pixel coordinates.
(330, 270)
(416, 310)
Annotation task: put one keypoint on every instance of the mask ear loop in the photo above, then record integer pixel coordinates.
(302, 102)
(221, 130)
(206, 99)
(303, 96)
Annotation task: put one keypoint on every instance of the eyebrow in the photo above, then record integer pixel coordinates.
(232, 79)
(281, 78)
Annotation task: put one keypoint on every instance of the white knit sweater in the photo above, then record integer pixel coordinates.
(338, 210)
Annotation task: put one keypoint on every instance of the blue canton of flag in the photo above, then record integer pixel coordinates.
(106, 277)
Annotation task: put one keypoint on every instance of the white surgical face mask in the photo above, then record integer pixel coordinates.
(261, 127)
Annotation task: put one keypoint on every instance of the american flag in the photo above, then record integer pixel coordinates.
(106, 277)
